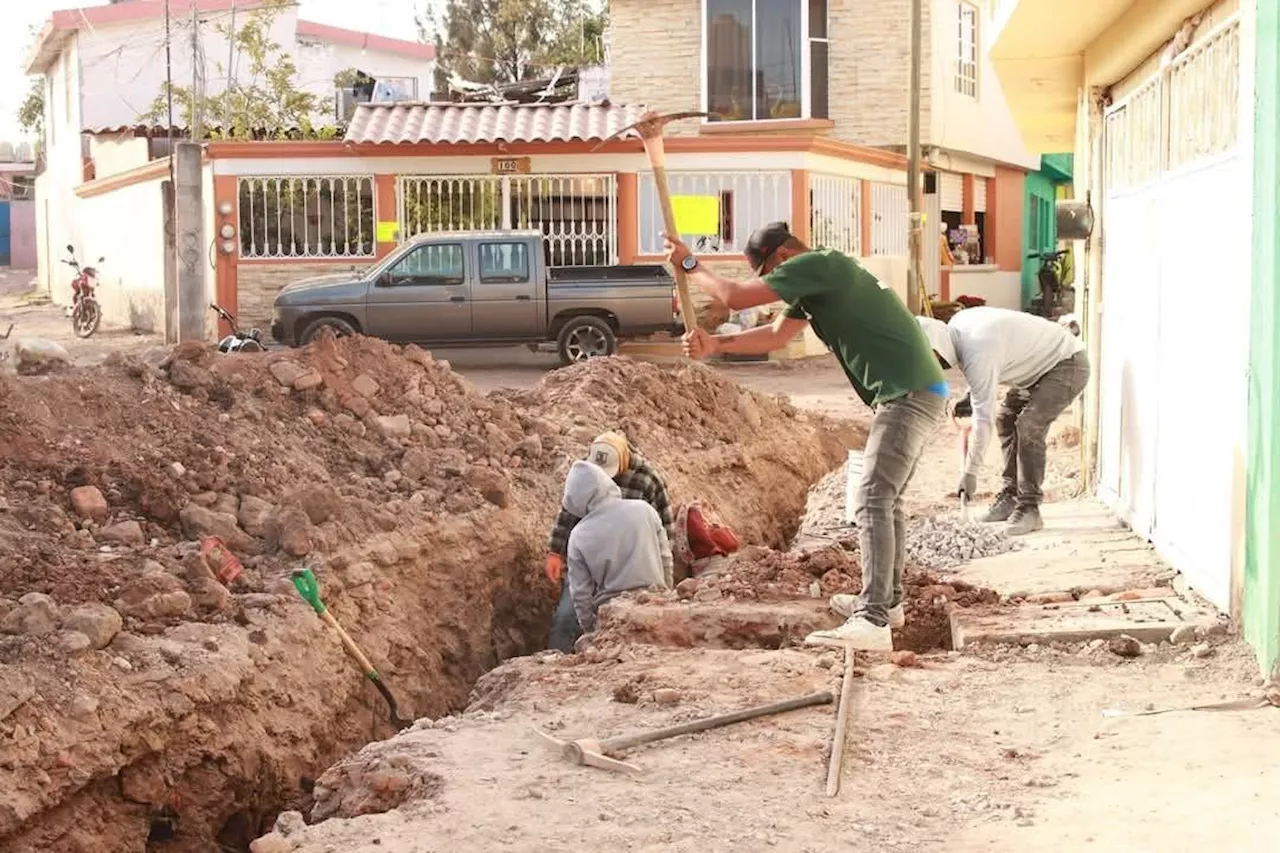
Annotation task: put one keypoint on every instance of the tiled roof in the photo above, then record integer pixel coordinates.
(410, 122)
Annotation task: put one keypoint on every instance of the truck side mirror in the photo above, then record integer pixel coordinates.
(384, 280)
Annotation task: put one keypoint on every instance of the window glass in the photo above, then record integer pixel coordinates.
(729, 36)
(439, 263)
(504, 262)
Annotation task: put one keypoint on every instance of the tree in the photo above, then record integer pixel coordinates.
(31, 113)
(264, 101)
(506, 41)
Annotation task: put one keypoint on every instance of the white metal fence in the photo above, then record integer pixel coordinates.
(307, 217)
(747, 200)
(577, 213)
(889, 218)
(835, 212)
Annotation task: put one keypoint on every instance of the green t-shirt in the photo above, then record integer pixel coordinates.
(879, 344)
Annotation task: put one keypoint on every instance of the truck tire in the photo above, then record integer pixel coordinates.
(585, 337)
(340, 328)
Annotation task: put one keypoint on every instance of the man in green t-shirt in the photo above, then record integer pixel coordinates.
(889, 363)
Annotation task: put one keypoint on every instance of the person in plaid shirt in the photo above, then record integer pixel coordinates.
(638, 479)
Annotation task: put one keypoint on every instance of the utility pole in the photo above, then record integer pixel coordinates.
(170, 255)
(916, 301)
(190, 249)
(197, 77)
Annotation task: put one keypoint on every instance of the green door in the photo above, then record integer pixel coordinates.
(1039, 230)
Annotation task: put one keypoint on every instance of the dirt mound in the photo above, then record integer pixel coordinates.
(141, 698)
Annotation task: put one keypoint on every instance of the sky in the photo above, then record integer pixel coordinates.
(393, 18)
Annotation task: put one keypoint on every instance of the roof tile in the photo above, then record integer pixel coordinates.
(416, 122)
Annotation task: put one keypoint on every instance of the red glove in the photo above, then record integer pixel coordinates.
(555, 567)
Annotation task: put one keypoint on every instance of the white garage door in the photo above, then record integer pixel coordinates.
(1175, 325)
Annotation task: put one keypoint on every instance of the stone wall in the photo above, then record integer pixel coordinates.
(258, 283)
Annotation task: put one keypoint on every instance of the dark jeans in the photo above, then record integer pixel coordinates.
(565, 629)
(899, 431)
(1023, 423)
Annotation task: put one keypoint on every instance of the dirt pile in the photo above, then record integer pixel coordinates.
(144, 699)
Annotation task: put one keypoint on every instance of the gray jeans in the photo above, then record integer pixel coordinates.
(899, 431)
(1023, 423)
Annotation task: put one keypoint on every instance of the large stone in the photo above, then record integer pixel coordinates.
(365, 386)
(209, 596)
(124, 533)
(37, 351)
(72, 642)
(394, 426)
(16, 689)
(287, 372)
(320, 502)
(36, 615)
(492, 485)
(98, 622)
(290, 530)
(253, 514)
(155, 595)
(88, 502)
(185, 375)
(416, 464)
(198, 521)
(530, 446)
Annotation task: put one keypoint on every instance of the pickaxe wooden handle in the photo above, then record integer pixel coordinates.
(650, 130)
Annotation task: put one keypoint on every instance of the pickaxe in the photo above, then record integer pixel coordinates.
(650, 129)
(595, 753)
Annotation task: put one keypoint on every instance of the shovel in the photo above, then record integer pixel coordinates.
(305, 583)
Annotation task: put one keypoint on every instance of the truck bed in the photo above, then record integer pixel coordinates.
(641, 273)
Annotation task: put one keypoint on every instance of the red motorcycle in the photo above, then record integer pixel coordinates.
(86, 313)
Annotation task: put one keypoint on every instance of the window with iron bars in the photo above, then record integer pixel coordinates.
(967, 51)
(307, 217)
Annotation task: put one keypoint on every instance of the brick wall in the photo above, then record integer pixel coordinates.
(258, 283)
(656, 59)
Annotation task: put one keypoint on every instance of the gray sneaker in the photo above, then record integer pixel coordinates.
(844, 604)
(1002, 509)
(1024, 521)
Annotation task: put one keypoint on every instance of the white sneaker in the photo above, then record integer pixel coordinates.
(857, 634)
(844, 603)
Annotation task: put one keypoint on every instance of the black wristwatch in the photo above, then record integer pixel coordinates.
(689, 264)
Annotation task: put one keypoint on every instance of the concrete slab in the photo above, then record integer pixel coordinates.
(1083, 547)
(1150, 621)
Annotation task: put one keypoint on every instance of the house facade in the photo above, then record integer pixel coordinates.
(104, 67)
(839, 69)
(1171, 111)
(17, 206)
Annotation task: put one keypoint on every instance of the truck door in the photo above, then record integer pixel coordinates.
(422, 296)
(505, 294)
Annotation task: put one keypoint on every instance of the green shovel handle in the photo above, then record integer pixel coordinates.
(307, 586)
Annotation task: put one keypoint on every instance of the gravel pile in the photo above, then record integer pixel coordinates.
(933, 541)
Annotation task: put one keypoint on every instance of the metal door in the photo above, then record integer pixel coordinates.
(505, 301)
(4, 234)
(424, 298)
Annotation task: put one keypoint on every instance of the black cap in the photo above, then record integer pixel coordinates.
(764, 241)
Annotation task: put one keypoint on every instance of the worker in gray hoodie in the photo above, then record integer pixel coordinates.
(620, 544)
(1044, 366)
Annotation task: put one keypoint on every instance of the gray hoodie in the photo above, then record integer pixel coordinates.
(618, 545)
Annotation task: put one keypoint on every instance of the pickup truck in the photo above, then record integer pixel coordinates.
(479, 289)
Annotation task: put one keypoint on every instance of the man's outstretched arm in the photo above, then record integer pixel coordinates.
(736, 294)
(758, 341)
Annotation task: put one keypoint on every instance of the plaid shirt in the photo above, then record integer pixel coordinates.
(641, 482)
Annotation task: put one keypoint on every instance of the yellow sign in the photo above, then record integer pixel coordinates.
(388, 232)
(697, 215)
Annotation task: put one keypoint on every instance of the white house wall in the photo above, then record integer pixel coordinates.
(983, 126)
(131, 288)
(63, 172)
(319, 62)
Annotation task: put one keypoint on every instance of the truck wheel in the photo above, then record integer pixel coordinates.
(339, 327)
(585, 337)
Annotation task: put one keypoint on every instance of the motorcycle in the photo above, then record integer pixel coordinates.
(237, 341)
(86, 313)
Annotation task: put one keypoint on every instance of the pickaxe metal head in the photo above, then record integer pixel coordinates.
(587, 752)
(650, 126)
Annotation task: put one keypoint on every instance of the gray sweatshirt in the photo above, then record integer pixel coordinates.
(618, 545)
(994, 347)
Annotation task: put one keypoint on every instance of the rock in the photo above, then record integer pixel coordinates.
(667, 696)
(317, 417)
(1183, 635)
(394, 426)
(271, 843)
(253, 514)
(83, 706)
(290, 530)
(416, 464)
(72, 642)
(308, 380)
(530, 447)
(492, 485)
(1050, 598)
(287, 372)
(687, 588)
(905, 659)
(416, 354)
(185, 375)
(1216, 629)
(37, 351)
(209, 596)
(124, 533)
(177, 470)
(199, 521)
(122, 664)
(1202, 650)
(154, 595)
(98, 622)
(365, 386)
(707, 593)
(320, 502)
(356, 405)
(36, 615)
(1125, 646)
(88, 502)
(226, 504)
(16, 689)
